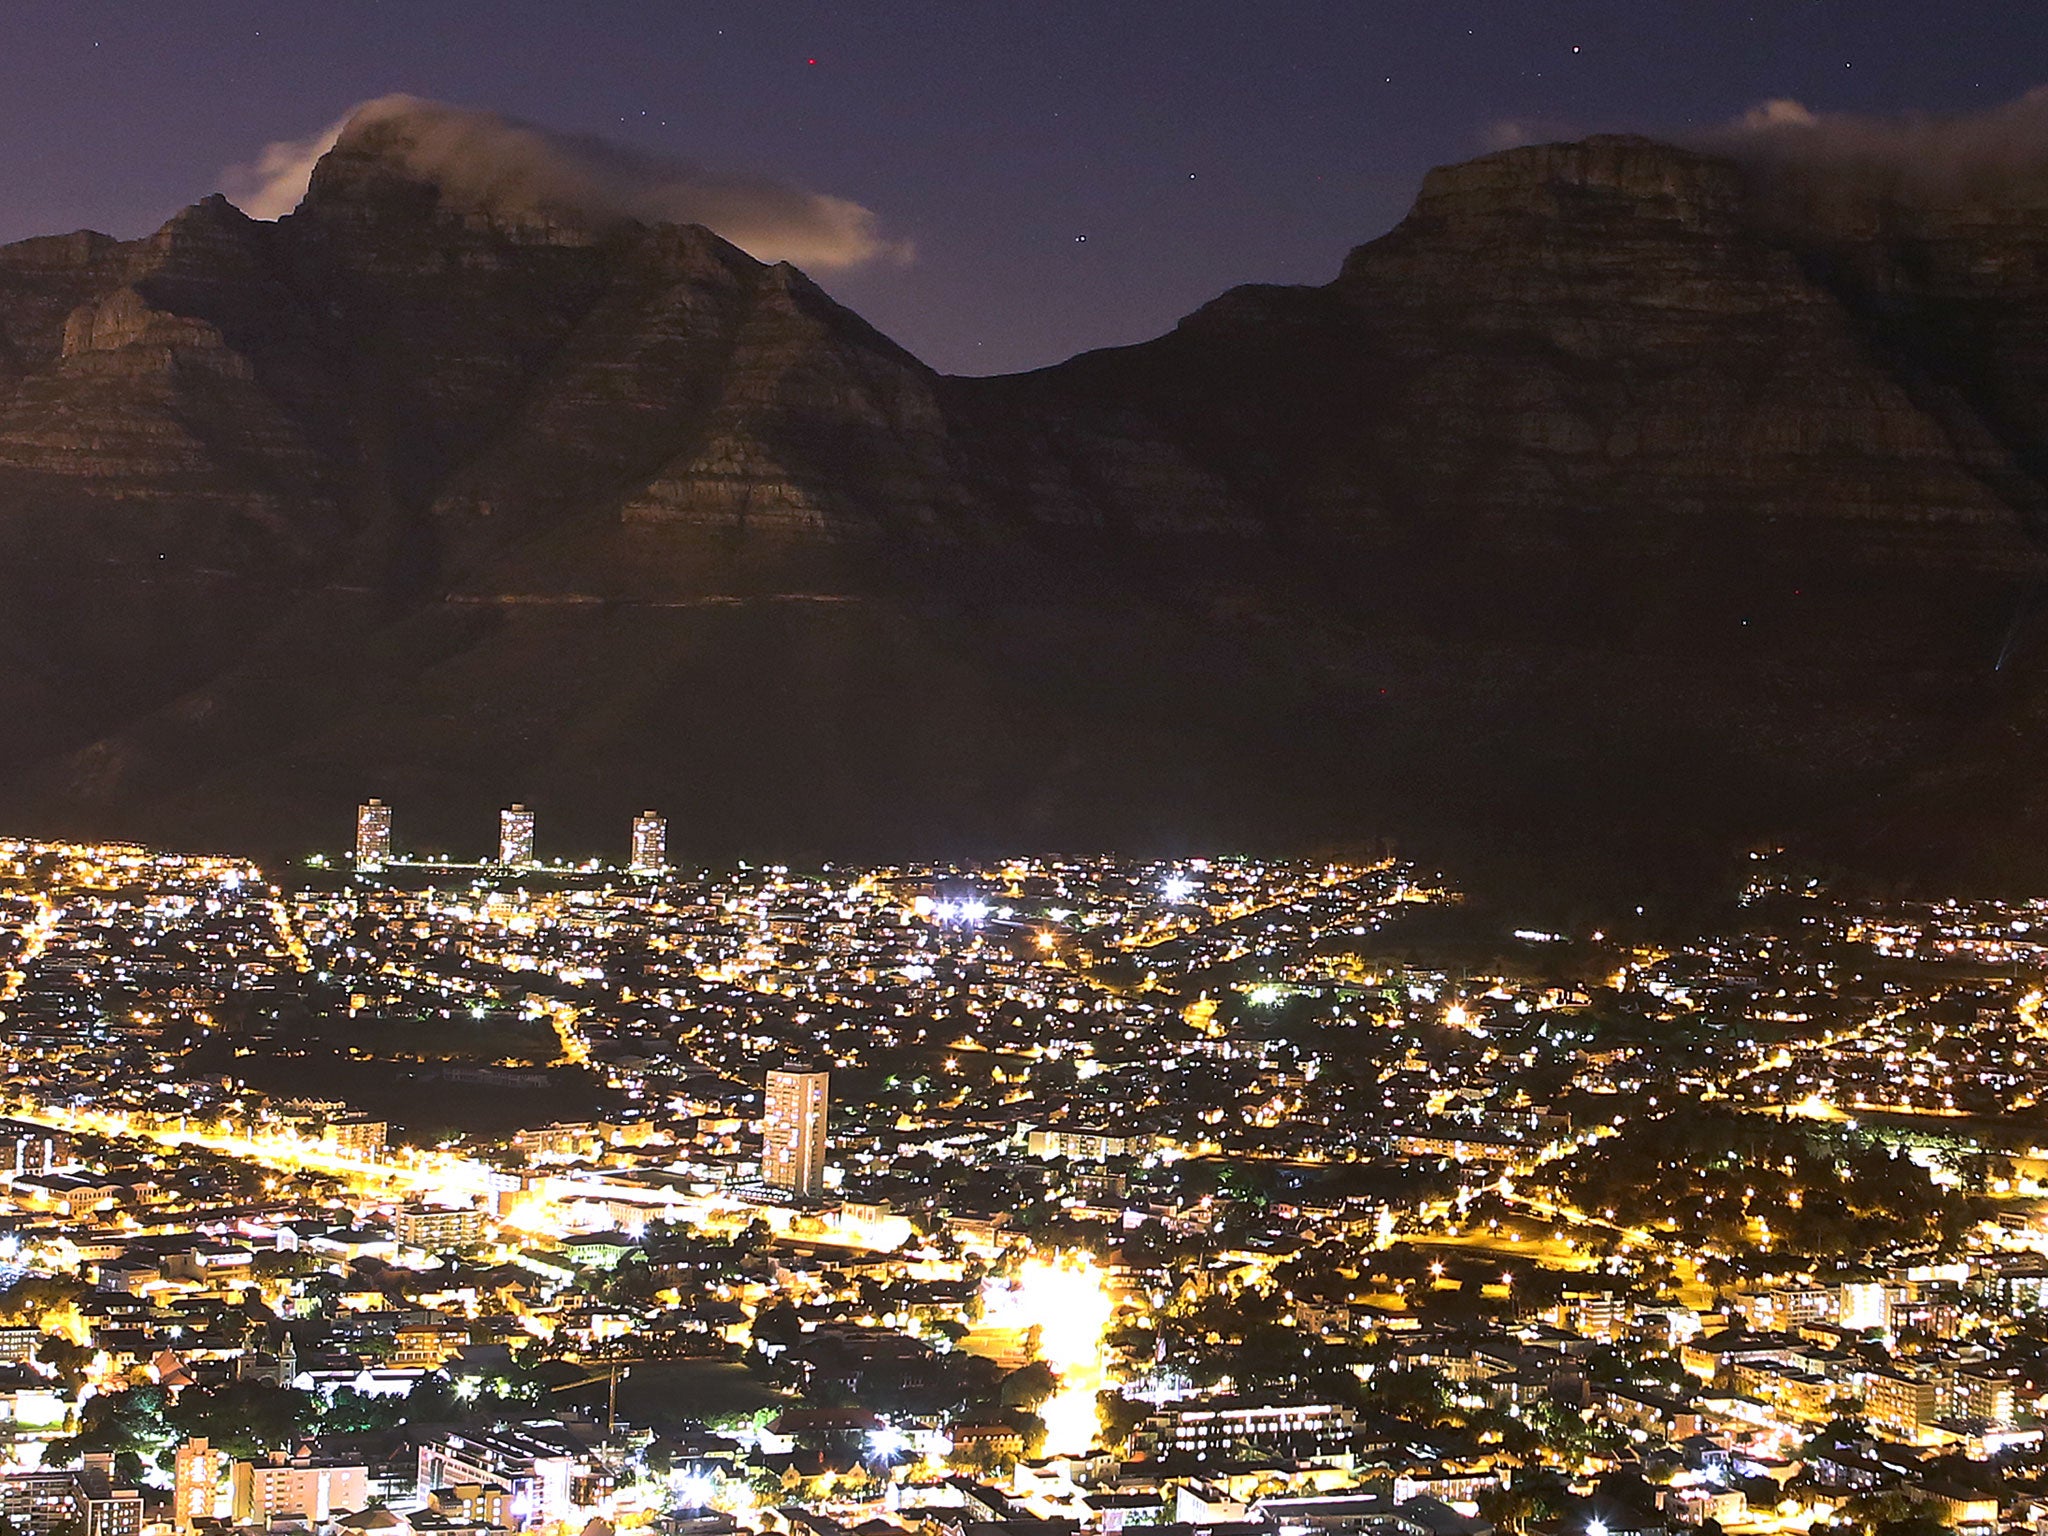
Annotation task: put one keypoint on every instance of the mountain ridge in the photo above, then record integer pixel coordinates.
(1587, 518)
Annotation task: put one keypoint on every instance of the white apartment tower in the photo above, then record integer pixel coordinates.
(650, 842)
(515, 835)
(373, 834)
(793, 1139)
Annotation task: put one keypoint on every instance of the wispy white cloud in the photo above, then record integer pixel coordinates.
(2002, 150)
(480, 160)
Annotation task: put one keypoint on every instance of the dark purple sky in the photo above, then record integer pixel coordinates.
(1194, 143)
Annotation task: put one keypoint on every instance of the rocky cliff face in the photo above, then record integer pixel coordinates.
(1612, 501)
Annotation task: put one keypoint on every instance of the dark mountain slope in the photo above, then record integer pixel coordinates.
(1610, 511)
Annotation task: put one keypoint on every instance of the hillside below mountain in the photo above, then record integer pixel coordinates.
(1602, 518)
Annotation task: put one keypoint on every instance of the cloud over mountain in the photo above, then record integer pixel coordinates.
(1911, 157)
(483, 161)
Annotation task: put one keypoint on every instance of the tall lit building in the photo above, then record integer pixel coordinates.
(650, 842)
(373, 834)
(515, 835)
(793, 1143)
(199, 1472)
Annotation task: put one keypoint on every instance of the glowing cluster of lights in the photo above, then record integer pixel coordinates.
(967, 911)
(1068, 1302)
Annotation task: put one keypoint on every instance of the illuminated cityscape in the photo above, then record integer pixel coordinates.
(1216, 1192)
(1352, 699)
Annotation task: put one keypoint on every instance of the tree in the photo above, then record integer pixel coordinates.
(353, 1412)
(1120, 1416)
(976, 1460)
(1507, 1507)
(1029, 1386)
(779, 1324)
(130, 1425)
(247, 1419)
(70, 1361)
(1531, 1496)
(31, 1297)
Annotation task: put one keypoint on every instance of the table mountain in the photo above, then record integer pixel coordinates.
(1616, 508)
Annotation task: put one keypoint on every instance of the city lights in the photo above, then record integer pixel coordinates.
(1066, 1161)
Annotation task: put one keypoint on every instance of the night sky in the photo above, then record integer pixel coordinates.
(1070, 174)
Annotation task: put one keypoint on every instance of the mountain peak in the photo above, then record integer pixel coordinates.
(211, 218)
(366, 171)
(1645, 177)
(412, 161)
